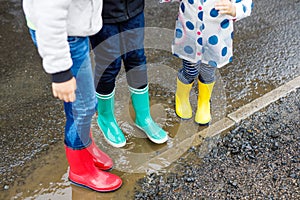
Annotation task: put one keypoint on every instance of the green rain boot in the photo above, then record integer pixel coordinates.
(107, 121)
(143, 119)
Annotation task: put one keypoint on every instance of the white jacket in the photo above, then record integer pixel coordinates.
(54, 20)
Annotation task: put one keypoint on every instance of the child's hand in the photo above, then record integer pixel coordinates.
(65, 91)
(226, 7)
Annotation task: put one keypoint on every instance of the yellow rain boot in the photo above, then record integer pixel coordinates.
(182, 100)
(203, 115)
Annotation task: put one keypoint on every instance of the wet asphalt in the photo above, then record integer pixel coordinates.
(266, 55)
(257, 159)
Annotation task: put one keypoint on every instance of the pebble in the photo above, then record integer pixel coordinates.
(251, 161)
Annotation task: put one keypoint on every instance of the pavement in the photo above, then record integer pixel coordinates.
(254, 156)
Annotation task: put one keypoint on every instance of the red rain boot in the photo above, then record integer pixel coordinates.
(101, 159)
(83, 172)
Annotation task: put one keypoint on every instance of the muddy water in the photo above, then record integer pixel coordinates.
(136, 158)
(162, 90)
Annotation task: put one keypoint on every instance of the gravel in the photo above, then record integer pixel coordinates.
(258, 159)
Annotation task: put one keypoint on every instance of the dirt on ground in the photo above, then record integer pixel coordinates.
(258, 159)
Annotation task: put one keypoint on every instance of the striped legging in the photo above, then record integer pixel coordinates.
(189, 71)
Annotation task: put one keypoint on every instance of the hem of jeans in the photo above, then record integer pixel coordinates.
(80, 148)
(139, 91)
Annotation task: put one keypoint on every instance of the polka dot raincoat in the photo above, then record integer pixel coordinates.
(202, 34)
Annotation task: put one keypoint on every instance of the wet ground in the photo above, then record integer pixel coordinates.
(266, 56)
(258, 159)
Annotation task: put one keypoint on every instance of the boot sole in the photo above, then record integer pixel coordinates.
(205, 124)
(103, 169)
(153, 140)
(183, 118)
(87, 187)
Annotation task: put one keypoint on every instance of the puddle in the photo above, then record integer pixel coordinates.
(140, 156)
(139, 150)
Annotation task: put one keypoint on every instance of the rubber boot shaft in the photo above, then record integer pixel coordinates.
(107, 122)
(182, 100)
(143, 119)
(101, 159)
(203, 115)
(84, 173)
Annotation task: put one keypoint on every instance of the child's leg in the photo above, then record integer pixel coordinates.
(136, 72)
(79, 147)
(106, 47)
(186, 77)
(78, 144)
(188, 72)
(79, 118)
(133, 52)
(206, 81)
(79, 113)
(207, 74)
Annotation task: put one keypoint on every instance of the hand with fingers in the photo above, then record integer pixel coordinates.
(65, 91)
(226, 7)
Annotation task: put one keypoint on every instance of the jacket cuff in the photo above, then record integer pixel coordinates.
(63, 76)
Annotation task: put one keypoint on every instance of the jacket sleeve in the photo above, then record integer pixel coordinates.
(243, 8)
(51, 36)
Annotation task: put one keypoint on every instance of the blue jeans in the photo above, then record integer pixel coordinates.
(117, 42)
(79, 113)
